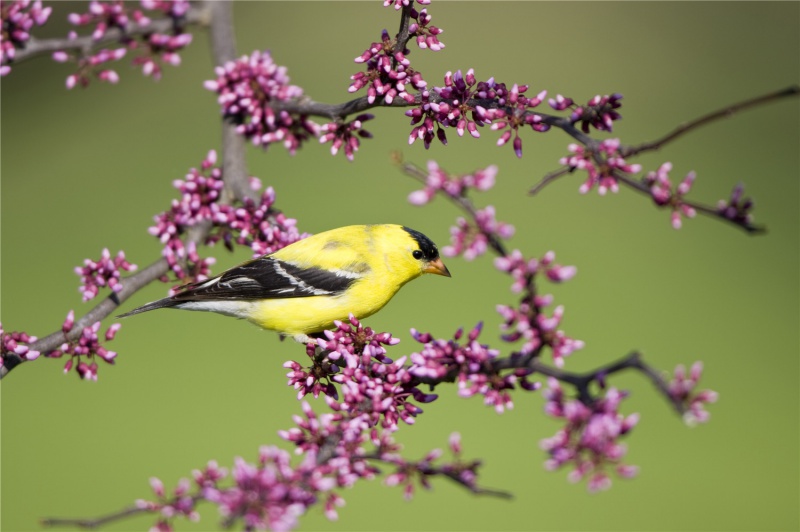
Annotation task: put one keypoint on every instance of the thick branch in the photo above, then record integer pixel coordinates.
(223, 49)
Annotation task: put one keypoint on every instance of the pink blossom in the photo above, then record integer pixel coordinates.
(682, 390)
(589, 440)
(105, 272)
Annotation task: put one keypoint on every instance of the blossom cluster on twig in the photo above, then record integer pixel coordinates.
(370, 395)
(258, 226)
(104, 272)
(86, 349)
(18, 18)
(352, 442)
(150, 50)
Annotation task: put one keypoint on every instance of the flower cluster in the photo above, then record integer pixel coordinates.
(527, 321)
(180, 503)
(682, 390)
(373, 386)
(86, 348)
(425, 33)
(600, 163)
(465, 104)
(257, 225)
(523, 270)
(250, 91)
(454, 186)
(465, 473)
(600, 112)
(345, 134)
(272, 494)
(470, 364)
(589, 442)
(105, 272)
(664, 194)
(736, 208)
(516, 114)
(399, 4)
(470, 238)
(17, 343)
(115, 20)
(17, 18)
(388, 72)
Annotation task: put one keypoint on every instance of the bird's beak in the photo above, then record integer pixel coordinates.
(437, 267)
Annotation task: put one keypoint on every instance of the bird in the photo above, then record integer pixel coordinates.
(303, 288)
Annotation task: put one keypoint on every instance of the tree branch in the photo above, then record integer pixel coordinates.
(725, 112)
(234, 172)
(35, 47)
(96, 522)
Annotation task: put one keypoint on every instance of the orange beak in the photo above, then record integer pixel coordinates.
(437, 267)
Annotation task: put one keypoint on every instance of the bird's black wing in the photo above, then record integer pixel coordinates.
(269, 278)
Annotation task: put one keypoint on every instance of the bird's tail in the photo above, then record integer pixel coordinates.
(167, 302)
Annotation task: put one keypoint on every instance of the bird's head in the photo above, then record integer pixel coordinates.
(420, 254)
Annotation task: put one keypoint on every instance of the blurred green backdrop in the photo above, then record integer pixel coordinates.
(87, 169)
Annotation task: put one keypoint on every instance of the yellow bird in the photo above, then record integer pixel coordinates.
(302, 288)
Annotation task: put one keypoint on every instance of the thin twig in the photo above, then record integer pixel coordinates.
(94, 522)
(549, 178)
(725, 112)
(706, 210)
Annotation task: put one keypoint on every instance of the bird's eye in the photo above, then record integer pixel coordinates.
(417, 254)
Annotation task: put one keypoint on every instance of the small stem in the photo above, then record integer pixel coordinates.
(95, 522)
(549, 178)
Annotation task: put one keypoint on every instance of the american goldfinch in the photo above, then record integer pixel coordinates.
(302, 288)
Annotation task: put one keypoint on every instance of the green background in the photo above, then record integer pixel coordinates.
(87, 169)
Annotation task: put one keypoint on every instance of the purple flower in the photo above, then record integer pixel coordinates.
(18, 19)
(736, 208)
(454, 186)
(682, 390)
(600, 112)
(472, 241)
(105, 272)
(589, 441)
(664, 194)
(527, 321)
(425, 33)
(86, 348)
(345, 134)
(517, 114)
(471, 364)
(388, 73)
(600, 164)
(271, 495)
(154, 49)
(15, 342)
(250, 91)
(256, 225)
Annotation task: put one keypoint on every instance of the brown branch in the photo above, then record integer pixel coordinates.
(702, 208)
(549, 178)
(725, 112)
(94, 522)
(35, 47)
(235, 175)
